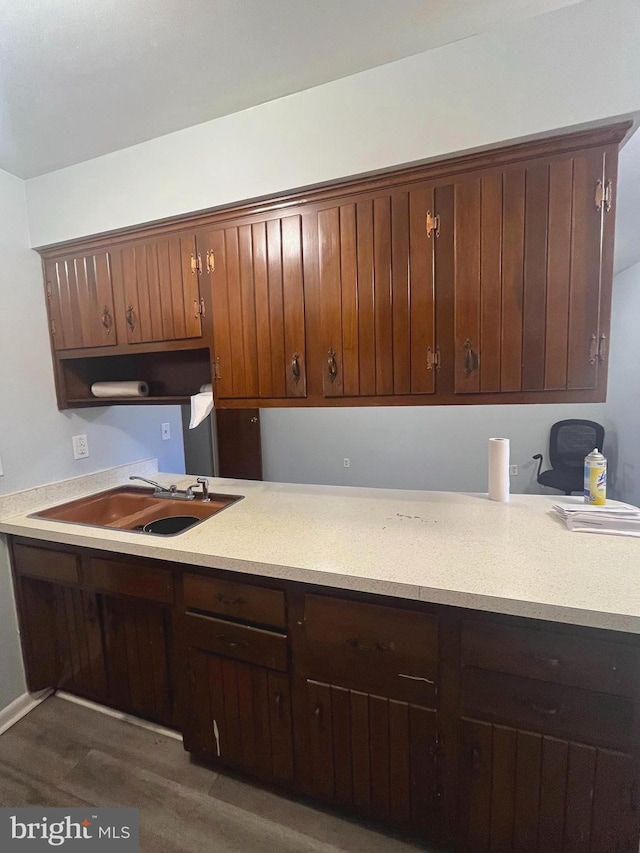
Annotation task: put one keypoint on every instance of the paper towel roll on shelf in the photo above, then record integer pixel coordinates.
(133, 388)
(499, 469)
(201, 405)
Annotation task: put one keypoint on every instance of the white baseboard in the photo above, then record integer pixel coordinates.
(20, 707)
(120, 715)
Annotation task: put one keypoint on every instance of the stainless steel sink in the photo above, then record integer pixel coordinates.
(131, 508)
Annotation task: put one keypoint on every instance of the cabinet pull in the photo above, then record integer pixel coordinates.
(547, 710)
(470, 358)
(230, 602)
(317, 713)
(295, 367)
(130, 320)
(106, 320)
(230, 643)
(332, 365)
(541, 660)
(476, 756)
(602, 354)
(362, 647)
(279, 703)
(593, 349)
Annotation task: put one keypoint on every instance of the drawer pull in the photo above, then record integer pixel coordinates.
(541, 660)
(230, 602)
(362, 647)
(476, 756)
(317, 713)
(279, 704)
(230, 643)
(547, 710)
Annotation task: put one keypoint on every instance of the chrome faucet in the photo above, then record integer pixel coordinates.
(159, 488)
(201, 481)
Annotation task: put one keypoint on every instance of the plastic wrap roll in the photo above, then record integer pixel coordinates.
(499, 469)
(135, 388)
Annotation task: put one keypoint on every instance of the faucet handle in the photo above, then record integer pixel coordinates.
(204, 482)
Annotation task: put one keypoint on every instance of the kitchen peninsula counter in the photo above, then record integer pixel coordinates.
(441, 547)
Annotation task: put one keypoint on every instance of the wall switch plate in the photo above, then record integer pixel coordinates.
(166, 431)
(80, 446)
(513, 470)
(346, 462)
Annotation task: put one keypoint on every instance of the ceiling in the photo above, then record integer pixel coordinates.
(81, 78)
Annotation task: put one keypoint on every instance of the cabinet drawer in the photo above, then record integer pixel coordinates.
(130, 579)
(377, 648)
(55, 566)
(236, 641)
(572, 660)
(235, 600)
(567, 712)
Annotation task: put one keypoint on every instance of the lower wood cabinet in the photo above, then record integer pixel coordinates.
(240, 715)
(524, 791)
(478, 732)
(376, 755)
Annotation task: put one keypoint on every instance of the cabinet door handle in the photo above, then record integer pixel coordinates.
(332, 365)
(471, 360)
(593, 349)
(602, 354)
(106, 320)
(362, 647)
(230, 602)
(541, 660)
(476, 756)
(230, 643)
(130, 318)
(317, 713)
(295, 367)
(279, 703)
(547, 710)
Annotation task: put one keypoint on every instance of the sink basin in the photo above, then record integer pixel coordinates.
(131, 508)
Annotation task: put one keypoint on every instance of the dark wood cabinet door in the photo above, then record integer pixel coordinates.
(522, 791)
(62, 640)
(238, 443)
(80, 301)
(137, 639)
(158, 289)
(527, 275)
(239, 714)
(376, 294)
(373, 754)
(256, 274)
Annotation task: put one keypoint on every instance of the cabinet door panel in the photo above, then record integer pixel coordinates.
(240, 714)
(80, 298)
(160, 290)
(258, 308)
(37, 631)
(373, 754)
(377, 300)
(527, 792)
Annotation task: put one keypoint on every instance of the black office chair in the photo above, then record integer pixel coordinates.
(569, 442)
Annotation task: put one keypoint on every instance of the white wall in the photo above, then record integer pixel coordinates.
(427, 447)
(576, 65)
(623, 399)
(35, 438)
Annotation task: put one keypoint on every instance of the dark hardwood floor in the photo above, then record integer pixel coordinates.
(63, 754)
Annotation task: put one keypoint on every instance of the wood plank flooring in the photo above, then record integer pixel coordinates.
(63, 754)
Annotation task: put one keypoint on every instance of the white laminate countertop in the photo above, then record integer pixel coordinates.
(443, 547)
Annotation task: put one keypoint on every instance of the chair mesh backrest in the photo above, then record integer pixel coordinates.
(571, 440)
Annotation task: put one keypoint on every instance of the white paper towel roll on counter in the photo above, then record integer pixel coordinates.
(134, 388)
(499, 469)
(201, 405)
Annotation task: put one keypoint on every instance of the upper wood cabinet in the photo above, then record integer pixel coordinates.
(529, 274)
(256, 274)
(376, 294)
(80, 300)
(158, 290)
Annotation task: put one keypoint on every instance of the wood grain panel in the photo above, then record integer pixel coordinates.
(584, 288)
(265, 366)
(321, 738)
(360, 750)
(382, 295)
(198, 731)
(234, 307)
(558, 273)
(293, 301)
(527, 793)
(280, 726)
(476, 783)
(80, 302)
(379, 733)
(512, 279)
(218, 722)
(241, 642)
(342, 760)
(580, 786)
(128, 284)
(467, 284)
(276, 310)
(141, 581)
(503, 787)
(58, 566)
(366, 298)
(236, 600)
(330, 297)
(36, 610)
(190, 289)
(350, 318)
(248, 313)
(246, 716)
(614, 824)
(170, 323)
(261, 698)
(535, 276)
(400, 746)
(491, 282)
(221, 309)
(553, 791)
(422, 294)
(401, 294)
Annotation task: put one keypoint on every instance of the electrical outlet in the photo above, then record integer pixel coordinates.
(346, 462)
(166, 431)
(513, 470)
(80, 446)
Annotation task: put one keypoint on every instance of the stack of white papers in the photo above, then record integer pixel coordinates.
(615, 518)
